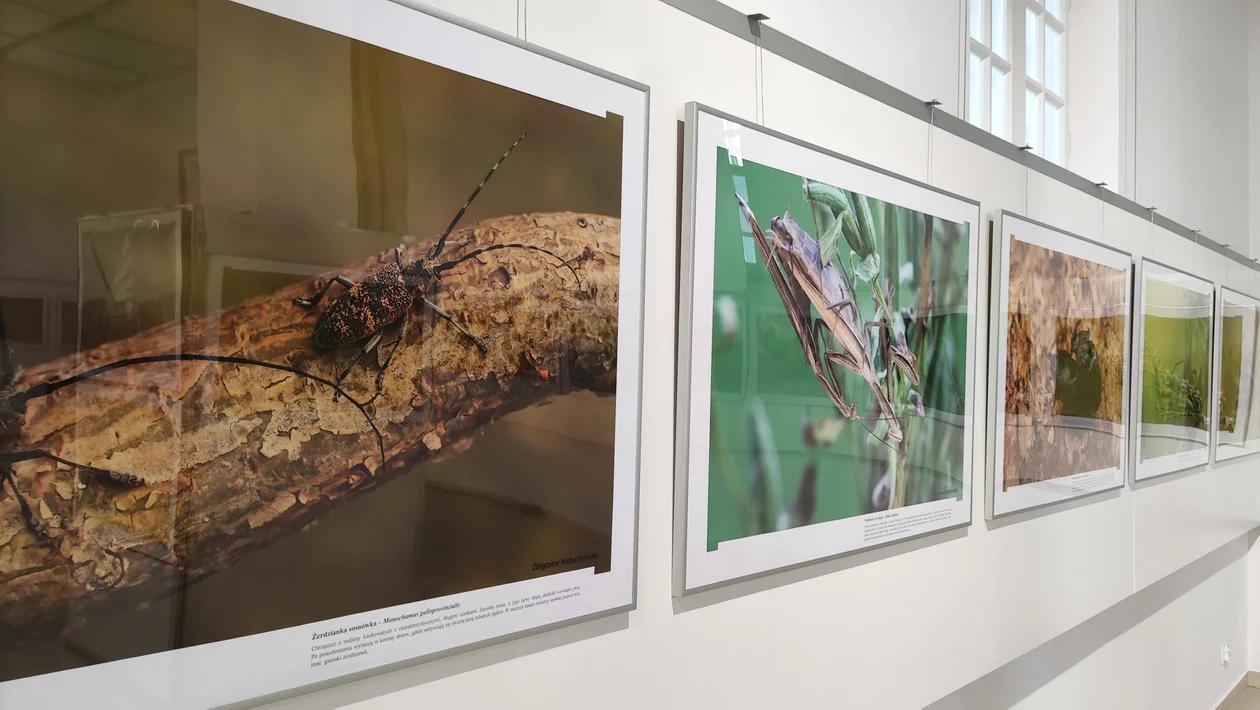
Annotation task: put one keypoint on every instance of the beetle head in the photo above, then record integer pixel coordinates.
(417, 275)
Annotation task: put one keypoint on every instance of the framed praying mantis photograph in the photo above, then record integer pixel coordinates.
(826, 358)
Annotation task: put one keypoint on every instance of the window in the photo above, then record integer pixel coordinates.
(988, 66)
(1017, 48)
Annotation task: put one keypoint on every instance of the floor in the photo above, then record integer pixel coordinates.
(1250, 700)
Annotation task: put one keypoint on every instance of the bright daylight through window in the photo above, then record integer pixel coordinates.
(1018, 47)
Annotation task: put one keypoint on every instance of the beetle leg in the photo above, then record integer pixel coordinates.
(402, 335)
(28, 516)
(449, 319)
(367, 348)
(319, 295)
(32, 521)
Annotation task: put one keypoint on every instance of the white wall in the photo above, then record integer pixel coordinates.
(1192, 115)
(1095, 70)
(905, 625)
(916, 46)
(1253, 94)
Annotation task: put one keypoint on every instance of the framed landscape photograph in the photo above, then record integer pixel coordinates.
(1172, 387)
(1060, 357)
(827, 343)
(1236, 427)
(389, 407)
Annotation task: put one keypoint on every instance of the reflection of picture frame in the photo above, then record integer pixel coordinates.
(1244, 439)
(1181, 296)
(698, 565)
(220, 290)
(1099, 444)
(132, 272)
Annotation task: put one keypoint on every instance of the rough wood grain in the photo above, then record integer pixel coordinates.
(236, 456)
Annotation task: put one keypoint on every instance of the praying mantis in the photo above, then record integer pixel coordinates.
(807, 281)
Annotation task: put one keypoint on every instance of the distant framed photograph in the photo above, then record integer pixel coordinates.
(1236, 426)
(1172, 384)
(826, 358)
(1060, 357)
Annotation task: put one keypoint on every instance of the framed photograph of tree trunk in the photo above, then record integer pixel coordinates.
(826, 351)
(1172, 365)
(386, 409)
(1060, 357)
(1236, 423)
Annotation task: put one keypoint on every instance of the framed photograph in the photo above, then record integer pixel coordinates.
(1236, 430)
(826, 351)
(1060, 361)
(400, 418)
(1172, 383)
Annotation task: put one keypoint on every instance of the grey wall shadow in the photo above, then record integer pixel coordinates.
(373, 683)
(809, 570)
(1021, 677)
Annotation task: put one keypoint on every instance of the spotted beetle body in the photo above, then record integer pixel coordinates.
(373, 303)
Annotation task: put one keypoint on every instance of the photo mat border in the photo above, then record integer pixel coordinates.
(999, 291)
(1169, 463)
(156, 678)
(691, 347)
(1217, 455)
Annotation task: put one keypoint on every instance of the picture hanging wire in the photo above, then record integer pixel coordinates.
(522, 20)
(759, 75)
(931, 129)
(1150, 242)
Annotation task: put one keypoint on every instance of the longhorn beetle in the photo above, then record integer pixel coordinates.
(13, 417)
(387, 295)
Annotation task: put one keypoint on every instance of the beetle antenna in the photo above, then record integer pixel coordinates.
(478, 252)
(47, 388)
(436, 249)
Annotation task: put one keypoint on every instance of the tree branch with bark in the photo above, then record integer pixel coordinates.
(233, 456)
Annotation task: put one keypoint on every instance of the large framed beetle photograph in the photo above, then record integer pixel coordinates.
(1060, 325)
(827, 341)
(381, 404)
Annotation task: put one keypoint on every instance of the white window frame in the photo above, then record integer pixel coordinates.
(990, 60)
(1020, 80)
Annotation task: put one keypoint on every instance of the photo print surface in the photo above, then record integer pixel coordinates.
(829, 358)
(336, 380)
(1061, 355)
(1173, 398)
(1238, 328)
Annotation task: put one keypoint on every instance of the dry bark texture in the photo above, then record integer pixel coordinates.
(234, 456)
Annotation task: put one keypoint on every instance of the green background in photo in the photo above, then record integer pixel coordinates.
(1176, 365)
(762, 369)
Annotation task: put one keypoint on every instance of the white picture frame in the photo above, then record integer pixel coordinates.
(1002, 499)
(1226, 447)
(1174, 461)
(696, 568)
(271, 665)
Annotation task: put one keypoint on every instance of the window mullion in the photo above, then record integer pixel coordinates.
(1019, 76)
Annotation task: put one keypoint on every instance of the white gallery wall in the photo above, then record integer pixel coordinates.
(1059, 607)
(1192, 114)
